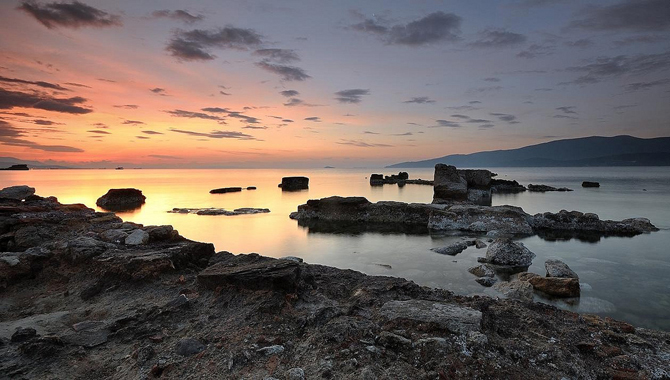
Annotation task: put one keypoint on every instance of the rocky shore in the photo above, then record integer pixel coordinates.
(85, 295)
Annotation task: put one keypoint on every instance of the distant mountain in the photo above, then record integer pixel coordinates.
(586, 151)
(6, 162)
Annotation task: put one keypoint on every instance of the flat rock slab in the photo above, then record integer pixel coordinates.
(261, 275)
(457, 319)
(86, 338)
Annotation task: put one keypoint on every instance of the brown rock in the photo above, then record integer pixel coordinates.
(554, 286)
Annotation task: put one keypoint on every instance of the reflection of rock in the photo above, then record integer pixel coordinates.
(219, 211)
(121, 199)
(224, 190)
(557, 268)
(294, 183)
(544, 188)
(590, 184)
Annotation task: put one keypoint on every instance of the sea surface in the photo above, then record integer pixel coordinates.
(625, 278)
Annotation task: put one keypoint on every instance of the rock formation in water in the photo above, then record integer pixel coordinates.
(121, 199)
(294, 183)
(590, 184)
(503, 186)
(545, 188)
(219, 211)
(224, 190)
(86, 295)
(454, 185)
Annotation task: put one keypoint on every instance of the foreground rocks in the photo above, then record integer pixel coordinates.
(80, 307)
(121, 199)
(17, 193)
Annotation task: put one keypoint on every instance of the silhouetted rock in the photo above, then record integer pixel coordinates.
(294, 183)
(544, 188)
(121, 199)
(251, 187)
(219, 211)
(589, 222)
(448, 184)
(590, 184)
(18, 193)
(376, 179)
(503, 186)
(17, 167)
(224, 190)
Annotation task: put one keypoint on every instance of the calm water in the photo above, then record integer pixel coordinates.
(626, 278)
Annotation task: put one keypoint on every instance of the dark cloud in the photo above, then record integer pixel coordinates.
(643, 39)
(545, 89)
(194, 115)
(420, 100)
(99, 132)
(496, 38)
(45, 122)
(77, 84)
(539, 3)
(581, 43)
(433, 28)
(287, 73)
(403, 134)
(486, 126)
(152, 133)
(478, 121)
(567, 109)
(510, 119)
(362, 144)
(165, 157)
(565, 117)
(287, 120)
(127, 106)
(278, 55)
(351, 96)
(535, 50)
(446, 123)
(217, 134)
(11, 136)
(158, 90)
(247, 119)
(474, 102)
(492, 79)
(611, 67)
(143, 137)
(224, 93)
(196, 44)
(37, 83)
(632, 87)
(459, 116)
(255, 127)
(628, 15)
(100, 125)
(485, 89)
(290, 93)
(314, 119)
(462, 108)
(69, 15)
(215, 110)
(11, 99)
(370, 133)
(179, 14)
(294, 102)
(132, 122)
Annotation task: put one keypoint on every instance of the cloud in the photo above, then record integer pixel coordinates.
(196, 44)
(278, 55)
(290, 93)
(565, 117)
(69, 15)
(287, 73)
(478, 121)
(643, 39)
(127, 106)
(510, 119)
(627, 15)
(158, 90)
(632, 87)
(403, 134)
(165, 157)
(152, 133)
(351, 96)
(568, 109)
(545, 89)
(497, 38)
(370, 133)
(445, 123)
(217, 134)
(581, 43)
(45, 122)
(11, 136)
(247, 119)
(254, 127)
(99, 132)
(362, 144)
(315, 119)
(433, 28)
(37, 83)
(100, 125)
(143, 137)
(609, 67)
(492, 79)
(294, 102)
(535, 50)
(11, 99)
(215, 110)
(459, 116)
(420, 100)
(179, 14)
(486, 126)
(132, 122)
(224, 93)
(485, 89)
(194, 115)
(539, 3)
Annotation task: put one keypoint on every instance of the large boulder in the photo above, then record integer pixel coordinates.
(557, 268)
(476, 178)
(504, 251)
(449, 184)
(294, 183)
(554, 286)
(481, 219)
(252, 272)
(589, 222)
(503, 186)
(18, 193)
(121, 199)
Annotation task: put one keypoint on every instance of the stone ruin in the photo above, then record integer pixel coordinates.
(461, 185)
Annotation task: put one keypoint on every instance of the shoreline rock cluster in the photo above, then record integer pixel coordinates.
(219, 211)
(81, 301)
(401, 179)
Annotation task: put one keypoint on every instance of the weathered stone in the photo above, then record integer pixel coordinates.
(114, 235)
(590, 184)
(589, 222)
(219, 211)
(476, 178)
(545, 188)
(479, 196)
(518, 290)
(121, 199)
(482, 271)
(504, 251)
(557, 268)
(224, 190)
(86, 338)
(161, 233)
(295, 374)
(262, 273)
(486, 281)
(480, 244)
(393, 341)
(555, 286)
(451, 250)
(376, 179)
(88, 325)
(294, 183)
(503, 186)
(23, 334)
(271, 350)
(137, 237)
(457, 319)
(189, 347)
(18, 193)
(473, 218)
(83, 248)
(448, 184)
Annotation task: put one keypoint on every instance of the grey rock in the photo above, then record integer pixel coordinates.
(295, 374)
(476, 339)
(292, 258)
(504, 251)
(480, 244)
(557, 268)
(481, 219)
(88, 325)
(23, 334)
(486, 281)
(145, 353)
(590, 184)
(589, 222)
(180, 301)
(476, 178)
(18, 193)
(482, 271)
(393, 341)
(256, 273)
(451, 250)
(84, 248)
(114, 235)
(457, 319)
(448, 184)
(189, 347)
(161, 233)
(86, 338)
(518, 290)
(271, 350)
(219, 211)
(137, 237)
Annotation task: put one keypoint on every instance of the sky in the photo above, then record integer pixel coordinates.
(255, 84)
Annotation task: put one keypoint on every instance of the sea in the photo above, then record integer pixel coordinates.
(626, 278)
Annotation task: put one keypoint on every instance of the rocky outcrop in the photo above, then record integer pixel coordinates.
(121, 199)
(294, 183)
(18, 193)
(545, 188)
(552, 286)
(224, 190)
(481, 219)
(589, 222)
(503, 186)
(219, 211)
(17, 167)
(454, 249)
(590, 184)
(376, 179)
(401, 179)
(504, 251)
(449, 185)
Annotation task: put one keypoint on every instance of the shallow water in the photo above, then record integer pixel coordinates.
(625, 278)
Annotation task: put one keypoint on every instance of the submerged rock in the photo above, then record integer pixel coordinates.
(451, 250)
(294, 183)
(18, 193)
(504, 251)
(121, 199)
(545, 188)
(224, 190)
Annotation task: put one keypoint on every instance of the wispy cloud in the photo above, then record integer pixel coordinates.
(353, 95)
(69, 15)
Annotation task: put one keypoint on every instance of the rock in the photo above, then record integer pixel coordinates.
(114, 236)
(555, 286)
(482, 271)
(121, 199)
(18, 193)
(476, 339)
(486, 281)
(295, 374)
(479, 196)
(251, 187)
(557, 268)
(376, 179)
(23, 334)
(224, 190)
(87, 338)
(252, 272)
(83, 248)
(504, 251)
(590, 184)
(137, 237)
(219, 211)
(17, 167)
(448, 184)
(476, 178)
(145, 353)
(271, 350)
(545, 188)
(518, 290)
(161, 233)
(502, 186)
(189, 347)
(451, 250)
(480, 219)
(292, 258)
(576, 221)
(294, 183)
(480, 244)
(88, 325)
(393, 341)
(454, 318)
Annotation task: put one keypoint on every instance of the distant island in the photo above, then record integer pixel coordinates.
(586, 151)
(17, 167)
